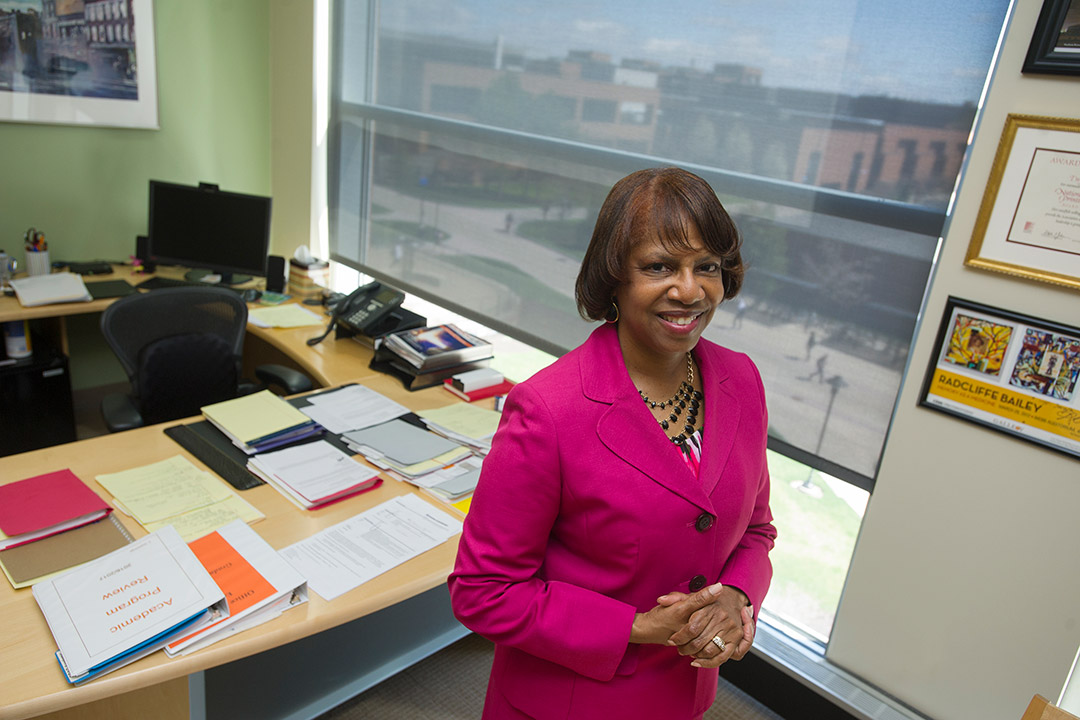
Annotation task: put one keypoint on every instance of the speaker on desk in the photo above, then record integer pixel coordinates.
(142, 252)
(275, 273)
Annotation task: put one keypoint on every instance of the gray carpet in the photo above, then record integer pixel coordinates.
(450, 685)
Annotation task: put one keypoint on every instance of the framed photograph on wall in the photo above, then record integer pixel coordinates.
(78, 63)
(1016, 374)
(1055, 44)
(1029, 221)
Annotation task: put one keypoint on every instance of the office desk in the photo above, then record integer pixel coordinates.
(51, 317)
(280, 669)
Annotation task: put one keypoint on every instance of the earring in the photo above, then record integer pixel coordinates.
(614, 319)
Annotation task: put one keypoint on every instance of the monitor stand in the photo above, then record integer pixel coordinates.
(227, 278)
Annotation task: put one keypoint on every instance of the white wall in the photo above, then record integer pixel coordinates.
(963, 598)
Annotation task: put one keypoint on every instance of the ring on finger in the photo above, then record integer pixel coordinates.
(719, 641)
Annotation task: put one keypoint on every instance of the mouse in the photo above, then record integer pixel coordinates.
(250, 295)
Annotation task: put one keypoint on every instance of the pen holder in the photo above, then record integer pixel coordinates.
(37, 263)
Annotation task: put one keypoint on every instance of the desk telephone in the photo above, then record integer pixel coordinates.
(366, 306)
(363, 311)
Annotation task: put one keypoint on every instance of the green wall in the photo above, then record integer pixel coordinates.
(86, 187)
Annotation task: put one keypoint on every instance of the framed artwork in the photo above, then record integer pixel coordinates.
(1055, 45)
(1029, 221)
(1016, 374)
(78, 62)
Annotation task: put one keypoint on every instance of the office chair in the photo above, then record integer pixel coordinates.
(181, 349)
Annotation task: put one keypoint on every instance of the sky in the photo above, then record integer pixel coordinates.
(915, 49)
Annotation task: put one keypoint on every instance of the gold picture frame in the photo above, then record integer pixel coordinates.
(1029, 222)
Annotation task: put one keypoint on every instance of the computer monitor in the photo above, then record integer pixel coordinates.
(209, 230)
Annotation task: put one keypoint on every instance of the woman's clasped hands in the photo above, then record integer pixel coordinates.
(712, 626)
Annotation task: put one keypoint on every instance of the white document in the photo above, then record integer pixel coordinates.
(352, 408)
(352, 552)
(51, 288)
(109, 606)
(312, 472)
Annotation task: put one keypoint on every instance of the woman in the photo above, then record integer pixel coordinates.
(618, 540)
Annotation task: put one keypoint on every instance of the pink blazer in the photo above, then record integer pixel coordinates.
(585, 513)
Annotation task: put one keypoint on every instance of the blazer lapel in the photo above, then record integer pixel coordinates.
(628, 429)
(722, 413)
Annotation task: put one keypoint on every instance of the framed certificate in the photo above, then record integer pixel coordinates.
(1010, 372)
(1029, 221)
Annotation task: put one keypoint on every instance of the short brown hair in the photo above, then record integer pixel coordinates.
(656, 202)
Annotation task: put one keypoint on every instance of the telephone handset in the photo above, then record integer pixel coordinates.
(363, 309)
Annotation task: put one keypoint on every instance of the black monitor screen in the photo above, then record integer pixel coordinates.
(209, 230)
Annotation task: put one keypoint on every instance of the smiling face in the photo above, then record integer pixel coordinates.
(668, 298)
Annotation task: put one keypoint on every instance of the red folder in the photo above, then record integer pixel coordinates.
(45, 505)
(500, 389)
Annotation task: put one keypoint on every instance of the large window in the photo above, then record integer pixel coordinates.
(474, 141)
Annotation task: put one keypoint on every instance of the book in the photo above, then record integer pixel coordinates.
(50, 288)
(412, 378)
(437, 347)
(258, 584)
(33, 562)
(45, 505)
(485, 392)
(472, 380)
(127, 604)
(260, 421)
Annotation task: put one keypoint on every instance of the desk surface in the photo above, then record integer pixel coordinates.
(31, 682)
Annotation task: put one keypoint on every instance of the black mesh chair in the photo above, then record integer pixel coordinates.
(181, 349)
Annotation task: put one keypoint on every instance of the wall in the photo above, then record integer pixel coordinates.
(962, 599)
(86, 187)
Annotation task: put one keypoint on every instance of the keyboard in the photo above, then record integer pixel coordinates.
(157, 283)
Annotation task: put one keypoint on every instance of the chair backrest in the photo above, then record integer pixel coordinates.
(180, 347)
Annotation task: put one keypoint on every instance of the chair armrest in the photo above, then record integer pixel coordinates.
(289, 380)
(120, 413)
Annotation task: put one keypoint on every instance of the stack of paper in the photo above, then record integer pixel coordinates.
(351, 408)
(127, 604)
(465, 424)
(314, 474)
(45, 505)
(453, 482)
(175, 492)
(404, 448)
(258, 584)
(260, 421)
(51, 288)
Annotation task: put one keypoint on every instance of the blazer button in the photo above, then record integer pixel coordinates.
(697, 582)
(704, 522)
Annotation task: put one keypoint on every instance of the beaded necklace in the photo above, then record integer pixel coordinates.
(685, 398)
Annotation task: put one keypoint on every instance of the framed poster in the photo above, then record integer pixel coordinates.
(1055, 44)
(1017, 374)
(84, 62)
(1029, 221)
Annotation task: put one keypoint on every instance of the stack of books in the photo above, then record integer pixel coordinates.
(308, 280)
(260, 421)
(478, 384)
(313, 475)
(258, 584)
(426, 356)
(127, 604)
(50, 523)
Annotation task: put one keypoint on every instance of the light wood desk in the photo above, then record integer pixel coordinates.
(298, 665)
